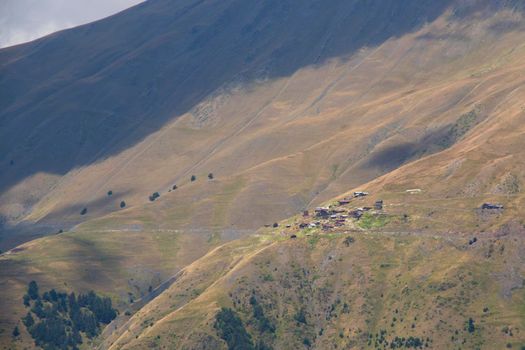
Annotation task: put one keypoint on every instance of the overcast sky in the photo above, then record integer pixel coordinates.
(26, 20)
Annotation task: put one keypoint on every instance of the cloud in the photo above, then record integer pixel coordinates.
(26, 20)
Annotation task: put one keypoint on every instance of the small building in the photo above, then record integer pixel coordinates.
(356, 214)
(492, 206)
(360, 194)
(378, 205)
(322, 212)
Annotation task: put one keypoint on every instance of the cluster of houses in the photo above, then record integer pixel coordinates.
(334, 216)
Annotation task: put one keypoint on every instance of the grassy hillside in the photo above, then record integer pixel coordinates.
(282, 110)
(301, 134)
(326, 291)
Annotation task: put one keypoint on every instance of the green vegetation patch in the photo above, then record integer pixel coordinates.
(57, 320)
(373, 221)
(231, 329)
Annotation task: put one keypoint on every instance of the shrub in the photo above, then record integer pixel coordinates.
(16, 332)
(174, 187)
(154, 196)
(300, 316)
(193, 178)
(231, 329)
(83, 211)
(349, 240)
(210, 176)
(122, 204)
(470, 326)
(32, 290)
(110, 193)
(275, 224)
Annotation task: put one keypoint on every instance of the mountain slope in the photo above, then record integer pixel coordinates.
(195, 92)
(289, 105)
(361, 294)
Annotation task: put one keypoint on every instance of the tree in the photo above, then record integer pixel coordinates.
(210, 176)
(27, 300)
(110, 193)
(16, 332)
(174, 187)
(122, 204)
(154, 196)
(231, 329)
(32, 290)
(28, 320)
(471, 327)
(193, 178)
(84, 211)
(275, 224)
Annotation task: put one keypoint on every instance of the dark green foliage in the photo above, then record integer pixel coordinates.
(16, 332)
(193, 178)
(154, 196)
(459, 129)
(28, 320)
(231, 329)
(61, 317)
(407, 343)
(275, 224)
(262, 346)
(110, 193)
(349, 240)
(300, 316)
(122, 204)
(265, 325)
(83, 211)
(27, 300)
(174, 187)
(307, 342)
(470, 325)
(210, 176)
(32, 290)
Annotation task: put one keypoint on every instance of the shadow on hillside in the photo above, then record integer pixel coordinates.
(85, 94)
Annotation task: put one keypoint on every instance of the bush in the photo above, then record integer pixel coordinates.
(83, 211)
(110, 193)
(300, 317)
(349, 240)
(122, 204)
(32, 290)
(193, 178)
(210, 176)
(470, 326)
(231, 329)
(16, 332)
(154, 196)
(174, 187)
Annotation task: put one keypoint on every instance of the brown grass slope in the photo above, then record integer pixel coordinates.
(277, 139)
(437, 107)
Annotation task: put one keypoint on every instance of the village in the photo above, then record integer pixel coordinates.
(345, 215)
(335, 217)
